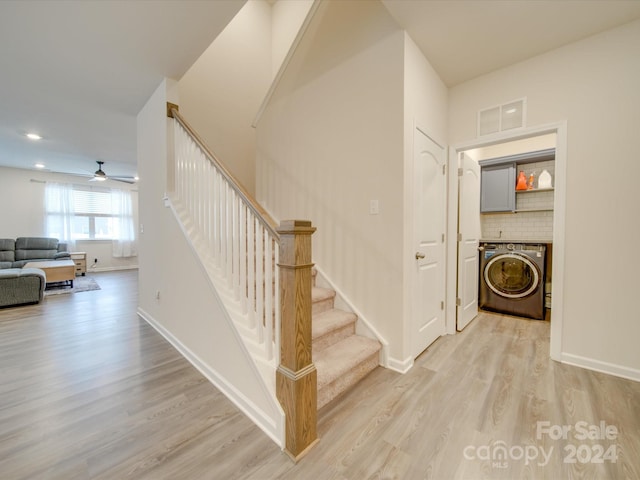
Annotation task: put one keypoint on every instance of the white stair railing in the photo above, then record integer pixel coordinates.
(244, 255)
(234, 236)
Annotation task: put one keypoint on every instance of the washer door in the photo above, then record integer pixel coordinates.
(511, 275)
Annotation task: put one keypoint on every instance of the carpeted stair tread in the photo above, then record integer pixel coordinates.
(338, 359)
(330, 320)
(319, 294)
(321, 299)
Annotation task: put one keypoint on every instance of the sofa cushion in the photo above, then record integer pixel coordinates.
(36, 247)
(7, 250)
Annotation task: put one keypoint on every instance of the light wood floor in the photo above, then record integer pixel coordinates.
(88, 390)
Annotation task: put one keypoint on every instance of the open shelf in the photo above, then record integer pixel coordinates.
(520, 210)
(533, 190)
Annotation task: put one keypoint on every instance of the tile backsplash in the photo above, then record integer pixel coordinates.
(518, 226)
(524, 225)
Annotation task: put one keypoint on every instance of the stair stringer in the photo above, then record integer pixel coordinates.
(265, 367)
(363, 326)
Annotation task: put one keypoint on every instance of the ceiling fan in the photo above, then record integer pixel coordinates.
(100, 176)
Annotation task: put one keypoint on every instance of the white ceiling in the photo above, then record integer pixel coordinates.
(77, 72)
(464, 39)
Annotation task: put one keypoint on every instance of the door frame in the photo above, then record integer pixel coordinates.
(559, 215)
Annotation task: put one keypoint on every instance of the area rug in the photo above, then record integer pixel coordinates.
(80, 284)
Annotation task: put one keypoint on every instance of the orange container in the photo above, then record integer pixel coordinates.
(522, 182)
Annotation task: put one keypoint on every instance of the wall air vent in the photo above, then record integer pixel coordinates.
(502, 117)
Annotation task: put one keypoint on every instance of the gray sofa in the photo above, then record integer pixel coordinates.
(16, 253)
(20, 285)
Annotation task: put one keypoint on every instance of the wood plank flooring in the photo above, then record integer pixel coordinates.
(89, 391)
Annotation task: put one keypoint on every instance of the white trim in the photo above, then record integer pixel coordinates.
(599, 366)
(111, 269)
(559, 216)
(274, 429)
(285, 63)
(366, 328)
(400, 366)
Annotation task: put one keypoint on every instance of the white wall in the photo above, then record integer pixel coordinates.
(331, 140)
(23, 213)
(593, 85)
(286, 18)
(221, 93)
(187, 311)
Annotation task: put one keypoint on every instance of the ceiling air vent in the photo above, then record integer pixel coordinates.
(503, 117)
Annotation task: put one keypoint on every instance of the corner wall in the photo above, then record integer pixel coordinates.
(175, 294)
(222, 91)
(593, 85)
(331, 140)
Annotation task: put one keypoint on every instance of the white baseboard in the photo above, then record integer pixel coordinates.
(110, 269)
(400, 366)
(274, 428)
(602, 367)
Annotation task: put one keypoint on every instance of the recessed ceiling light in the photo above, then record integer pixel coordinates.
(39, 165)
(33, 136)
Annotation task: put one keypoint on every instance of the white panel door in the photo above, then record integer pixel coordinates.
(468, 240)
(429, 227)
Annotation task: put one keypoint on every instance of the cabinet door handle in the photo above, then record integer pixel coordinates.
(420, 255)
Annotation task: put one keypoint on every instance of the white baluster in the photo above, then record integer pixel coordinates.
(251, 269)
(268, 297)
(241, 247)
(276, 300)
(260, 283)
(243, 237)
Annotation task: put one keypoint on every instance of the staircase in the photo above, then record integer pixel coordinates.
(246, 256)
(341, 357)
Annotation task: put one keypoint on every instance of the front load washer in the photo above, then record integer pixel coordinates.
(512, 278)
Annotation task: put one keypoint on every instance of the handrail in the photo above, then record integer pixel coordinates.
(262, 273)
(263, 217)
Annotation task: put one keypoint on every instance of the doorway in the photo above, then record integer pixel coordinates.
(453, 276)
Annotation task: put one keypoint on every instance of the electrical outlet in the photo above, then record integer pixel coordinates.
(374, 207)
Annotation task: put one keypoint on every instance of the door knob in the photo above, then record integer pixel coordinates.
(419, 255)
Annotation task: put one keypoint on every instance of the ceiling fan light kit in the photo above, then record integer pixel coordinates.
(101, 176)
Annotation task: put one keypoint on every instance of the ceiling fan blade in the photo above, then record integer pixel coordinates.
(130, 181)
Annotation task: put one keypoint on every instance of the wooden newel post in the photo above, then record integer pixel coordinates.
(296, 378)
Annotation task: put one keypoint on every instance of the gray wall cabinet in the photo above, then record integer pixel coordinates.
(497, 188)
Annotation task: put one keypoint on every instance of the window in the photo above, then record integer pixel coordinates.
(85, 213)
(93, 215)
